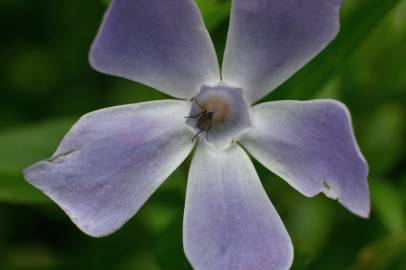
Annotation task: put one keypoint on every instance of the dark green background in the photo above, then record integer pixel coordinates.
(46, 84)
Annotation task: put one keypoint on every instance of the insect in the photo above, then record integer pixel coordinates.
(204, 123)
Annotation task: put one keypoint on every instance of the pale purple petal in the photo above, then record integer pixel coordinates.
(269, 40)
(229, 220)
(311, 145)
(163, 44)
(112, 160)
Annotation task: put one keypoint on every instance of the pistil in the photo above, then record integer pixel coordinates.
(219, 108)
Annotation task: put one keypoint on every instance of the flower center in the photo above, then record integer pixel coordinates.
(218, 107)
(219, 115)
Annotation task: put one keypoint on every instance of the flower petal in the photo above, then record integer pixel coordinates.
(229, 220)
(311, 145)
(269, 40)
(163, 44)
(112, 160)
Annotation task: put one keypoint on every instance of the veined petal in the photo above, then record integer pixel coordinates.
(269, 40)
(229, 220)
(163, 44)
(112, 160)
(311, 145)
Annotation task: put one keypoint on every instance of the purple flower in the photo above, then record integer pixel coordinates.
(113, 159)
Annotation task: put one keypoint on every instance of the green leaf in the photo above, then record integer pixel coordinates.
(356, 25)
(14, 189)
(384, 253)
(21, 147)
(169, 249)
(382, 138)
(214, 12)
(387, 202)
(106, 2)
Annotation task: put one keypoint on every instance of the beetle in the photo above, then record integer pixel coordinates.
(204, 120)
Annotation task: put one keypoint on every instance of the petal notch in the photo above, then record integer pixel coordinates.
(311, 145)
(112, 160)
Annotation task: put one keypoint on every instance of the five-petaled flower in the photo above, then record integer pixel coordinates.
(113, 159)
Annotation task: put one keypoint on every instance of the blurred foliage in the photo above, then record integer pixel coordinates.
(46, 84)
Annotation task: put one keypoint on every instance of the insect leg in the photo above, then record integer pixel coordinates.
(197, 134)
(197, 103)
(207, 132)
(202, 130)
(194, 116)
(203, 114)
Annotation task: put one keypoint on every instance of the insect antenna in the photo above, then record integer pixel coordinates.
(194, 116)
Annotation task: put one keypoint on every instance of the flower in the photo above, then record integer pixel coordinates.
(113, 159)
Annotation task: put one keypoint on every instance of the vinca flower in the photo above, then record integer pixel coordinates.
(113, 159)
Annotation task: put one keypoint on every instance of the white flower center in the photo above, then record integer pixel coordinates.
(218, 108)
(219, 115)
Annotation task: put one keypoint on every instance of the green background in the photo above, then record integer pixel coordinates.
(46, 83)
